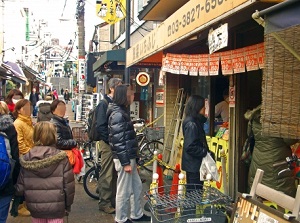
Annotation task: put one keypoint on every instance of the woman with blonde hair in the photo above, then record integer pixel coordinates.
(7, 128)
(46, 178)
(24, 125)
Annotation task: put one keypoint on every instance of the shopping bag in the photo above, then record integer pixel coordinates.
(70, 156)
(208, 169)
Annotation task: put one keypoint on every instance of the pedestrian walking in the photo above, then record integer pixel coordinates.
(124, 145)
(46, 178)
(61, 91)
(34, 98)
(195, 145)
(107, 176)
(66, 96)
(44, 110)
(7, 127)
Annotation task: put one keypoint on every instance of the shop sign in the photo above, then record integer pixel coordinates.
(81, 74)
(135, 110)
(186, 21)
(218, 38)
(111, 11)
(231, 96)
(143, 79)
(160, 98)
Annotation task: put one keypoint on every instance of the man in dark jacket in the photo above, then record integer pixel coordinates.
(34, 98)
(107, 176)
(6, 193)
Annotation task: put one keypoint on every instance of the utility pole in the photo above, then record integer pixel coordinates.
(81, 48)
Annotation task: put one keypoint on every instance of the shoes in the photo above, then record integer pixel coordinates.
(143, 218)
(127, 221)
(22, 211)
(107, 209)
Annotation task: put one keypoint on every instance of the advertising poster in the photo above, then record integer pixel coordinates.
(238, 60)
(226, 62)
(184, 65)
(159, 98)
(251, 58)
(194, 64)
(214, 64)
(261, 55)
(203, 65)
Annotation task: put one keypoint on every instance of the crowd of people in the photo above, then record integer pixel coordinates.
(38, 152)
(43, 171)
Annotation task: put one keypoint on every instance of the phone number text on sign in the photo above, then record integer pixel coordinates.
(192, 15)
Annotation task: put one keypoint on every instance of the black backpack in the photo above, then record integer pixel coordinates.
(93, 134)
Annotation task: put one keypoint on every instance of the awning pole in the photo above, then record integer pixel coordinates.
(261, 21)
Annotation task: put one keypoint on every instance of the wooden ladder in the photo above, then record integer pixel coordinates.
(170, 150)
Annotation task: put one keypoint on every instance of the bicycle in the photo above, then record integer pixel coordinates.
(91, 177)
(146, 151)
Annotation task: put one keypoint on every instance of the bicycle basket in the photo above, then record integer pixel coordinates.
(79, 134)
(193, 205)
(155, 133)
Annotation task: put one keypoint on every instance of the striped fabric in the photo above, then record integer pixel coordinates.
(47, 220)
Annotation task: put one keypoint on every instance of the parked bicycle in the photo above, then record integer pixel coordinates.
(148, 143)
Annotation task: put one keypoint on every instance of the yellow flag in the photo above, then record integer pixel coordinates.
(111, 11)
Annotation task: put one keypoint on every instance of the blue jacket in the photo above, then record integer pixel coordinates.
(122, 137)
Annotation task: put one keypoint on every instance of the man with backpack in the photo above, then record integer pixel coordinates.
(108, 175)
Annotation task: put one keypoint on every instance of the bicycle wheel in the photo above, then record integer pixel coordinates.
(147, 152)
(90, 182)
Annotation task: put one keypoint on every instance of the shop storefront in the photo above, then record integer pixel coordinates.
(188, 65)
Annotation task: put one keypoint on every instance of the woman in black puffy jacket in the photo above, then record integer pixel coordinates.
(124, 145)
(7, 127)
(65, 139)
(194, 146)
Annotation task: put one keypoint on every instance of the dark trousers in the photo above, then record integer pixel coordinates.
(193, 181)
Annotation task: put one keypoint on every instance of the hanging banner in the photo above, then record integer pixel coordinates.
(226, 62)
(194, 64)
(251, 58)
(111, 11)
(203, 65)
(261, 55)
(175, 63)
(238, 60)
(184, 65)
(165, 63)
(214, 64)
(218, 38)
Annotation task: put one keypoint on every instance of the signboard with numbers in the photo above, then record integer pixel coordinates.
(186, 21)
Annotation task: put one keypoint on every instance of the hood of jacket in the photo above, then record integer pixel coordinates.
(5, 122)
(44, 108)
(42, 160)
(253, 114)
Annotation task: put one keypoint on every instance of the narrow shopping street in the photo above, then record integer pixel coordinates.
(84, 208)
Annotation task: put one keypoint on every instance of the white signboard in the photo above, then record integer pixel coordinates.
(218, 38)
(81, 74)
(135, 110)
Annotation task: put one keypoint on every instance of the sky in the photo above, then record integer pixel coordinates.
(55, 10)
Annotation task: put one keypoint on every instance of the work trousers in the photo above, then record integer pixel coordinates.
(107, 182)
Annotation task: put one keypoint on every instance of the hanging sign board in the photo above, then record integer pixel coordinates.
(218, 38)
(111, 11)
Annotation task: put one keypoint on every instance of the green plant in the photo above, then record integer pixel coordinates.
(10, 85)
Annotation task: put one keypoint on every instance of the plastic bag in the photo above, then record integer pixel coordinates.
(208, 169)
